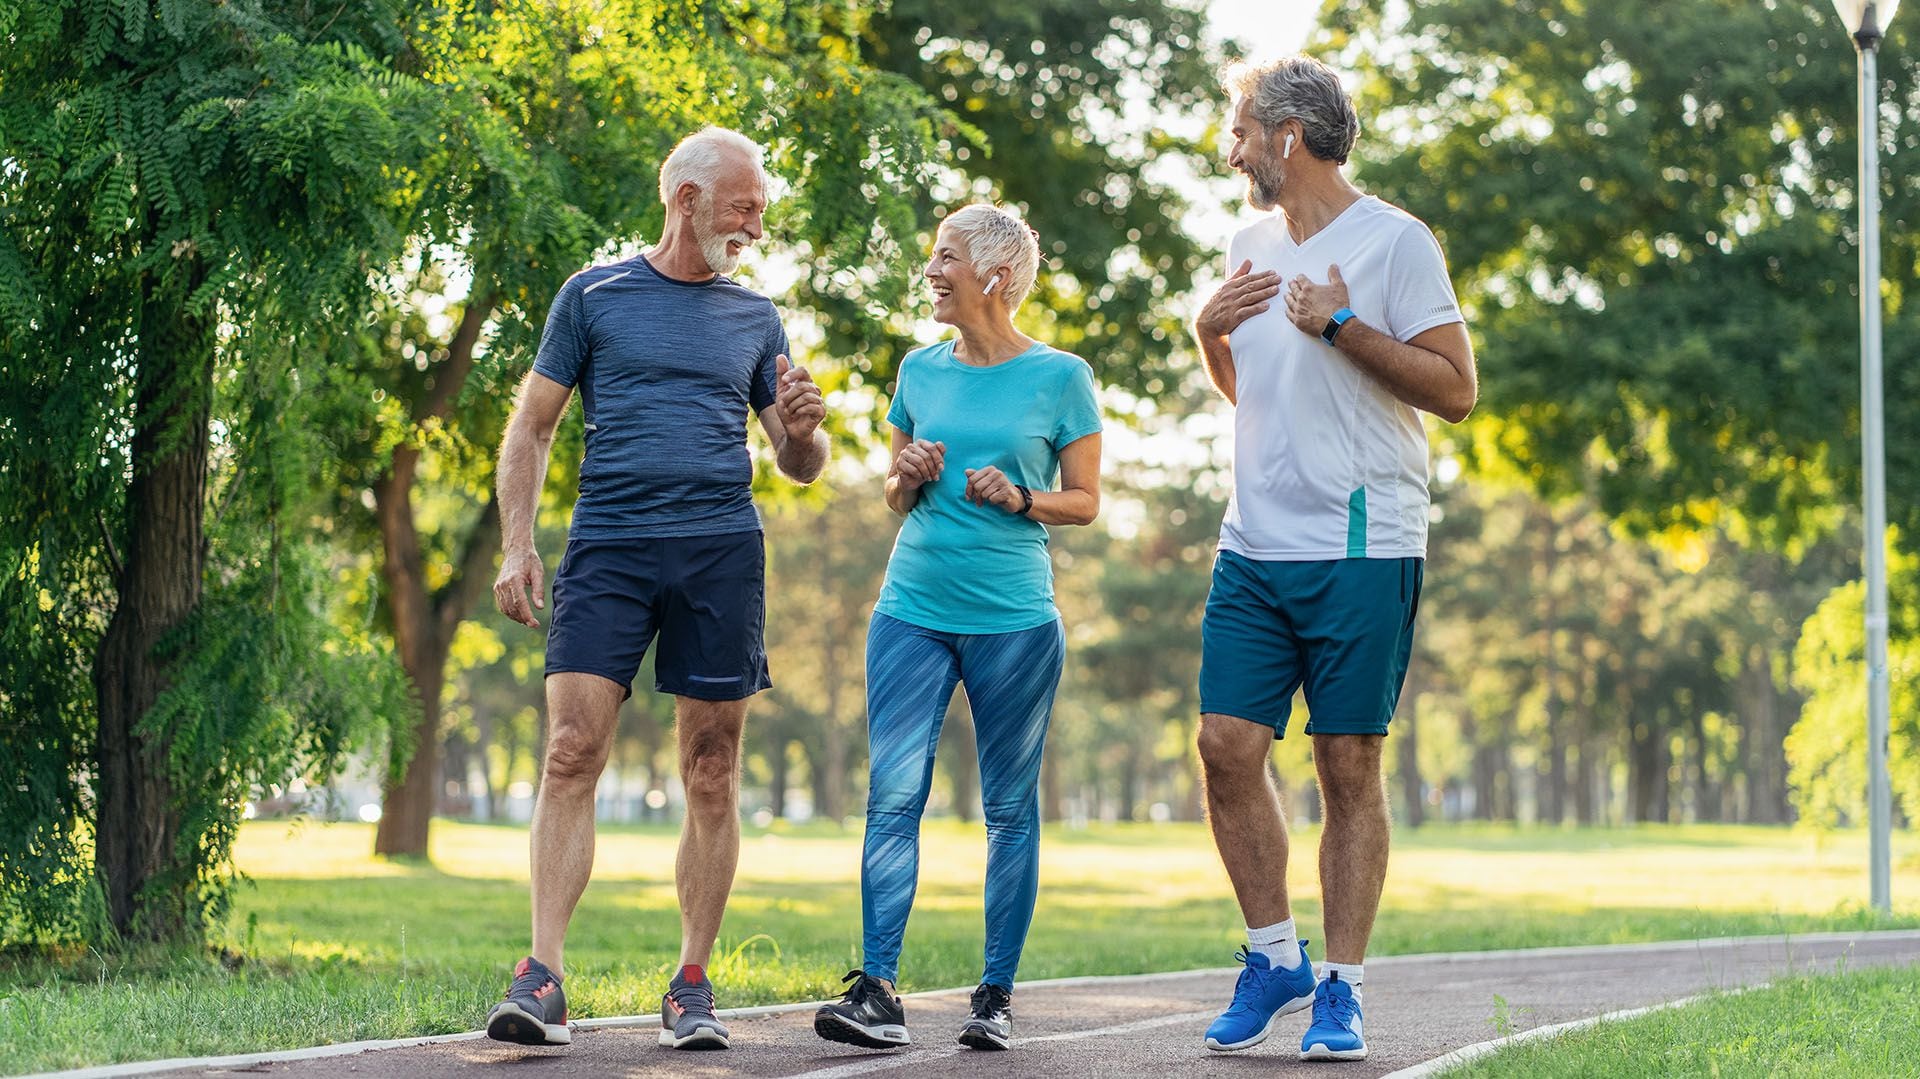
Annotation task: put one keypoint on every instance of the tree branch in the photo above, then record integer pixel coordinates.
(106, 537)
(476, 558)
(451, 376)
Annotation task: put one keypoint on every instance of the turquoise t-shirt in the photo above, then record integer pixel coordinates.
(961, 568)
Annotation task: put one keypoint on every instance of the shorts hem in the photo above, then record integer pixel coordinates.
(1367, 727)
(625, 684)
(1251, 715)
(713, 692)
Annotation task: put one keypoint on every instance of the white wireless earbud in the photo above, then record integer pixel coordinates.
(1287, 150)
(991, 283)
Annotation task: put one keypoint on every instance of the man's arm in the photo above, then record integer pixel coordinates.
(1433, 372)
(520, 474)
(792, 423)
(1243, 296)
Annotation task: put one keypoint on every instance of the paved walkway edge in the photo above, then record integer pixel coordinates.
(148, 1067)
(1441, 1063)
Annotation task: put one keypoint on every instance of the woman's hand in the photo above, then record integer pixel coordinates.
(990, 485)
(919, 463)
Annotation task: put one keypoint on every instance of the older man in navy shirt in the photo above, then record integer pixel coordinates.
(669, 356)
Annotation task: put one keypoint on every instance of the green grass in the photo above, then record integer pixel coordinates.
(340, 946)
(1845, 1025)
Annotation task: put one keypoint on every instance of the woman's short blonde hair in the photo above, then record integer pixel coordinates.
(996, 236)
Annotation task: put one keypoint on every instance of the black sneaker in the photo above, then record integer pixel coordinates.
(535, 1011)
(686, 1013)
(867, 1015)
(991, 1024)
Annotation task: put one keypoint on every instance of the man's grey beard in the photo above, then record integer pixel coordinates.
(1263, 192)
(713, 244)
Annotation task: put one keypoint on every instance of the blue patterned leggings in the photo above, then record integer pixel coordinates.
(1010, 680)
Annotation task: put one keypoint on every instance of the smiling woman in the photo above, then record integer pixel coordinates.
(968, 599)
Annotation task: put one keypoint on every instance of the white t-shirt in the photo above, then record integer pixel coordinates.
(1327, 463)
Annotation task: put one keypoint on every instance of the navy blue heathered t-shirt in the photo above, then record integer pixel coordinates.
(667, 372)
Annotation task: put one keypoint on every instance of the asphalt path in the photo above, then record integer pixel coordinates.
(1417, 1008)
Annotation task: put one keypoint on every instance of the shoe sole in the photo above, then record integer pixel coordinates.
(1295, 1005)
(512, 1023)
(702, 1038)
(979, 1037)
(847, 1032)
(1319, 1051)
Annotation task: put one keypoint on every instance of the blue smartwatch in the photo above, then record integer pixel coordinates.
(1340, 318)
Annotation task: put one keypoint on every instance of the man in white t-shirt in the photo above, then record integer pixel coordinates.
(1337, 327)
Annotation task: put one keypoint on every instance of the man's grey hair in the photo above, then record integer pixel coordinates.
(996, 236)
(700, 158)
(1304, 89)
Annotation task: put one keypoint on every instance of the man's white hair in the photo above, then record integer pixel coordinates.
(996, 236)
(702, 156)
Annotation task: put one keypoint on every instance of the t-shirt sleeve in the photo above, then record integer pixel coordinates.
(563, 344)
(1079, 414)
(1419, 292)
(897, 414)
(766, 373)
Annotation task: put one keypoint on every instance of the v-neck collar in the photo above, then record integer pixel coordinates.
(1286, 229)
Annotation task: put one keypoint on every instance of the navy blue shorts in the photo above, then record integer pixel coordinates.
(705, 597)
(1341, 629)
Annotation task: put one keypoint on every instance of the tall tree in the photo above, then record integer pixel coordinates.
(566, 112)
(186, 187)
(1649, 208)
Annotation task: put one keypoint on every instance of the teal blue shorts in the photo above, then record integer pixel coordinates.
(1342, 629)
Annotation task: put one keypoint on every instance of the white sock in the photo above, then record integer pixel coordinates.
(1278, 942)
(1351, 973)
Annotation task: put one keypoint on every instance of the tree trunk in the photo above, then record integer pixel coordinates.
(1050, 801)
(424, 621)
(149, 888)
(1764, 735)
(958, 749)
(777, 775)
(1551, 798)
(1413, 809)
(1584, 770)
(1127, 804)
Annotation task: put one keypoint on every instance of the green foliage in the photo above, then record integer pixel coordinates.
(171, 165)
(1827, 750)
(1074, 110)
(1649, 210)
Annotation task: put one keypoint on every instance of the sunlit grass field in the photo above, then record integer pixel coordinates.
(340, 946)
(1859, 1023)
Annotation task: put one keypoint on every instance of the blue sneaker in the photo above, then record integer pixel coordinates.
(1260, 998)
(1335, 1033)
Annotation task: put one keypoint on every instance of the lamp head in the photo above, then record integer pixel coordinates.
(1866, 20)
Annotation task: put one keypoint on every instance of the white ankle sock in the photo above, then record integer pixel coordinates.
(1278, 942)
(1351, 973)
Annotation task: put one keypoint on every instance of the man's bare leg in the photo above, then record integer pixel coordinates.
(1243, 810)
(709, 737)
(1353, 848)
(581, 712)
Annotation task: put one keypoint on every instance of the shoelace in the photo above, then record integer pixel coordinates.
(990, 1000)
(861, 988)
(693, 996)
(1333, 1007)
(1252, 976)
(529, 984)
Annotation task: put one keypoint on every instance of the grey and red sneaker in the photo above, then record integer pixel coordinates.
(686, 1013)
(535, 1011)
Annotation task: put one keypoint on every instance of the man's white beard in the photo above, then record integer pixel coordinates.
(713, 245)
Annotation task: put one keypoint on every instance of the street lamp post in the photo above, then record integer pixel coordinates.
(1867, 20)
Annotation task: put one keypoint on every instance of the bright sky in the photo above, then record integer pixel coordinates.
(1267, 28)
